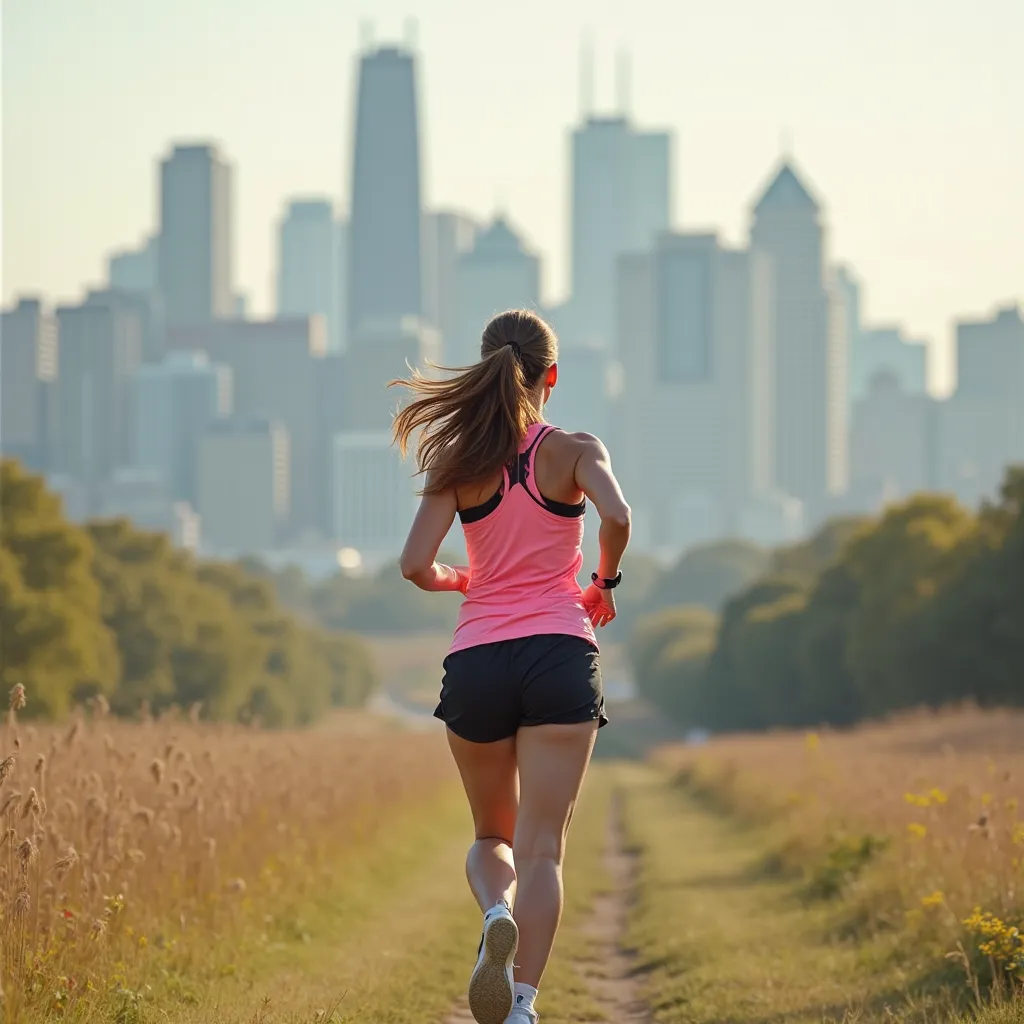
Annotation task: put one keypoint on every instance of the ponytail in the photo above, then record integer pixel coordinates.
(473, 420)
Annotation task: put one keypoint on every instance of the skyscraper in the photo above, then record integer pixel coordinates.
(887, 350)
(28, 370)
(811, 401)
(374, 495)
(695, 328)
(243, 485)
(981, 426)
(382, 351)
(621, 185)
(309, 271)
(274, 367)
(990, 356)
(175, 402)
(384, 254)
(195, 261)
(498, 273)
(134, 270)
(447, 236)
(100, 344)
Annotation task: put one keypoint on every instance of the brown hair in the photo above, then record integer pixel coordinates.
(474, 419)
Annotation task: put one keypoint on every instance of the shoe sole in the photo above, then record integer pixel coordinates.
(490, 989)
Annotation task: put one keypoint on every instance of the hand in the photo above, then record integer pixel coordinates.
(599, 604)
(462, 575)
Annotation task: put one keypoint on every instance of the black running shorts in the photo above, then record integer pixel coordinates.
(489, 691)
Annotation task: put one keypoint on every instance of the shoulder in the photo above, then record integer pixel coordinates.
(582, 443)
(574, 447)
(433, 488)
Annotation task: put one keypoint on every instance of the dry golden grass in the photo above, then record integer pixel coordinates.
(120, 839)
(918, 821)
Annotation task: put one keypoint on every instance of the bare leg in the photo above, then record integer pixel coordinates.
(489, 777)
(553, 760)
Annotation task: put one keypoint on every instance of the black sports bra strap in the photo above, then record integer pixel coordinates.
(530, 454)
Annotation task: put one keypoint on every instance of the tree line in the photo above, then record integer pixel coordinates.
(383, 602)
(107, 610)
(920, 606)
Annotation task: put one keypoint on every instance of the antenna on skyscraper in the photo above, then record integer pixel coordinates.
(623, 79)
(412, 33)
(586, 76)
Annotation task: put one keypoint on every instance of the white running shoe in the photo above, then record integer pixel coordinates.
(521, 1016)
(491, 986)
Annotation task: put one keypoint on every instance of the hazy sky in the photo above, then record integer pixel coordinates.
(904, 115)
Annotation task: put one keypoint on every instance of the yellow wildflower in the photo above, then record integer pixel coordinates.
(813, 741)
(938, 796)
(917, 830)
(935, 899)
(986, 799)
(915, 800)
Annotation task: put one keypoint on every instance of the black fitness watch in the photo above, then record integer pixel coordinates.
(603, 584)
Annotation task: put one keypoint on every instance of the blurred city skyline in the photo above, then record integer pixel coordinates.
(903, 128)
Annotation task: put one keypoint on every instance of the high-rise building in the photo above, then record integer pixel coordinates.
(195, 261)
(141, 496)
(380, 352)
(100, 346)
(135, 270)
(446, 237)
(811, 400)
(274, 366)
(990, 356)
(981, 426)
(28, 371)
(342, 236)
(309, 271)
(892, 443)
(175, 401)
(331, 396)
(694, 443)
(384, 252)
(243, 486)
(498, 273)
(374, 495)
(148, 306)
(887, 350)
(364, 467)
(621, 202)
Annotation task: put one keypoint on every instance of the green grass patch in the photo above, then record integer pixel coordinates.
(721, 939)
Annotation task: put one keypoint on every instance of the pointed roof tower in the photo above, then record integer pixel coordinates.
(786, 191)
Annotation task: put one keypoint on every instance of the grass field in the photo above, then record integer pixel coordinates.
(900, 845)
(173, 871)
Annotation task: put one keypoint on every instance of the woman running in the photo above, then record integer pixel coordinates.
(522, 695)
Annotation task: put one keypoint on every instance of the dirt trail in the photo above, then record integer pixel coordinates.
(611, 974)
(609, 971)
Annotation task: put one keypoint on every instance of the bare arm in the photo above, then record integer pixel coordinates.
(434, 519)
(595, 479)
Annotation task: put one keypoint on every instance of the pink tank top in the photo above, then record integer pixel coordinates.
(524, 559)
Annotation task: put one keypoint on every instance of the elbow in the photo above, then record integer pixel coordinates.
(412, 569)
(621, 518)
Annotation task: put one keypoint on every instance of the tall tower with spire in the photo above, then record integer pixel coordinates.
(384, 275)
(621, 202)
(810, 343)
